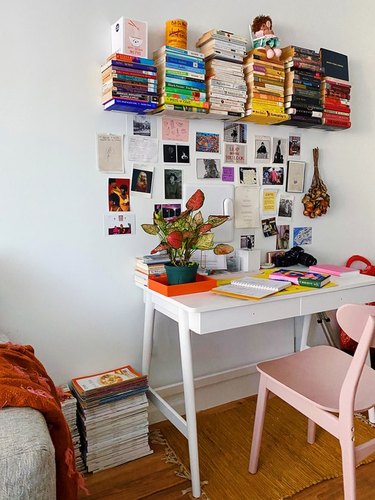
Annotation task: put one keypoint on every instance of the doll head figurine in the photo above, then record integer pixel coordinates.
(263, 36)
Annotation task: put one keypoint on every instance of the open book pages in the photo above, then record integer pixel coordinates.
(251, 288)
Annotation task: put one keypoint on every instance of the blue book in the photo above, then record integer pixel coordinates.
(122, 64)
(184, 62)
(129, 105)
(183, 67)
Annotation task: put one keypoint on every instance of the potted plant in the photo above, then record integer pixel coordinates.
(183, 235)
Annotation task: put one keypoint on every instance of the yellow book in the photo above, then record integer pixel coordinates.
(183, 102)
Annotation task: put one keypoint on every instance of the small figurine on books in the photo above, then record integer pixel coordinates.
(263, 36)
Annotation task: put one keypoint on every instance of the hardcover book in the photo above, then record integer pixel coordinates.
(303, 278)
(334, 64)
(334, 270)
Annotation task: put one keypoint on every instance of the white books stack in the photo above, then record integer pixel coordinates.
(69, 409)
(112, 417)
(226, 89)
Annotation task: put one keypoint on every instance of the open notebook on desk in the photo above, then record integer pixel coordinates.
(251, 288)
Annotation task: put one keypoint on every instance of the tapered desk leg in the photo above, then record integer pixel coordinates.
(188, 381)
(148, 330)
(305, 331)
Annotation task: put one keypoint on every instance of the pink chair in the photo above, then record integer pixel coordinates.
(328, 386)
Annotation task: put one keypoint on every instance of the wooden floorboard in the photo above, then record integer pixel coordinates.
(151, 478)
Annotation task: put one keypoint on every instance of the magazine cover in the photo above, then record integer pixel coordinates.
(105, 379)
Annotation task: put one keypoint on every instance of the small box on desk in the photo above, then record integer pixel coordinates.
(160, 284)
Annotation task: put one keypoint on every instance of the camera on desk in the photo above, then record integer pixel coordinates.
(295, 255)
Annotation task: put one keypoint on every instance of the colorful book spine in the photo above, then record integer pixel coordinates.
(122, 64)
(171, 72)
(128, 105)
(128, 72)
(187, 92)
(184, 102)
(126, 78)
(131, 59)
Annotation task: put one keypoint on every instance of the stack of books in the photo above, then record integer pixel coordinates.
(181, 80)
(129, 84)
(112, 417)
(335, 90)
(226, 90)
(69, 409)
(265, 87)
(302, 86)
(149, 265)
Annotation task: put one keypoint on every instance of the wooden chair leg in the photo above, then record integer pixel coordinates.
(348, 467)
(311, 429)
(258, 425)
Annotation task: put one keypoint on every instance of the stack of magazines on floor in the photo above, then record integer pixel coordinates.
(69, 409)
(112, 417)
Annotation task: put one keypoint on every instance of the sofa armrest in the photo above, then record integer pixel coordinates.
(27, 456)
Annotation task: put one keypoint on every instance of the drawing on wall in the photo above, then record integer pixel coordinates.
(142, 178)
(119, 224)
(273, 176)
(175, 129)
(118, 195)
(248, 176)
(206, 142)
(283, 234)
(208, 168)
(172, 184)
(262, 149)
(235, 132)
(110, 153)
(168, 210)
(302, 236)
(278, 150)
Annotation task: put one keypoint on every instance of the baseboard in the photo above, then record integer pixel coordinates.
(210, 390)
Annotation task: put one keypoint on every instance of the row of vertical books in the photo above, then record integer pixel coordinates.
(181, 80)
(129, 84)
(226, 90)
(302, 86)
(265, 87)
(112, 417)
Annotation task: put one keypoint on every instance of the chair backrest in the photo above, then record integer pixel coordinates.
(353, 318)
(358, 321)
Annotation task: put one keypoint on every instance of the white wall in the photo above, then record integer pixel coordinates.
(64, 287)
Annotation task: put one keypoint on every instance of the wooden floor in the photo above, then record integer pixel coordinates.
(151, 478)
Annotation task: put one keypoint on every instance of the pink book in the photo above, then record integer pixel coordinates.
(334, 270)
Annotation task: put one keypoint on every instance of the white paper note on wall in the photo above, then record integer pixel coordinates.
(246, 206)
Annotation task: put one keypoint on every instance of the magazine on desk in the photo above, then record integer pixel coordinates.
(251, 288)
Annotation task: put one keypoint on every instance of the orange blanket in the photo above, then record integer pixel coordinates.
(24, 382)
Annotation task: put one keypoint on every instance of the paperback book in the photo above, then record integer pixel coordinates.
(303, 278)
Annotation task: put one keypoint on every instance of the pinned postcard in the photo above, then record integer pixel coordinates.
(302, 236)
(235, 153)
(246, 207)
(227, 174)
(119, 224)
(175, 129)
(143, 149)
(110, 153)
(269, 201)
(142, 178)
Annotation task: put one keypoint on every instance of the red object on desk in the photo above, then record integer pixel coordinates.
(160, 284)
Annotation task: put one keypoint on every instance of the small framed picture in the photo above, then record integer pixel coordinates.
(295, 176)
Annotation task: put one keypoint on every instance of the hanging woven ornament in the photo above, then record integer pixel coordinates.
(317, 200)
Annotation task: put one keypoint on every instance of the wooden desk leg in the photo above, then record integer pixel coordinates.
(305, 331)
(148, 331)
(188, 382)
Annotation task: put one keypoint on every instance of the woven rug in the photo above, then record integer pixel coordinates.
(287, 465)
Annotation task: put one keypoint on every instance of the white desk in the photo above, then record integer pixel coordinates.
(207, 312)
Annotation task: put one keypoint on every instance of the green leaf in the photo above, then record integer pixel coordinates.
(217, 220)
(223, 249)
(150, 228)
(205, 241)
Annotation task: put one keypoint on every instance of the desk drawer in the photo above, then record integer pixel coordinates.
(335, 299)
(236, 317)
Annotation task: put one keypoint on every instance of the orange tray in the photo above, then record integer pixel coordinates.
(202, 284)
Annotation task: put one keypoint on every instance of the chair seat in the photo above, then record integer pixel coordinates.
(317, 374)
